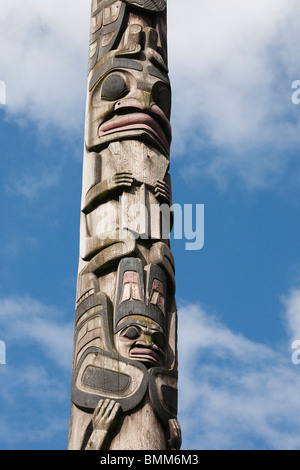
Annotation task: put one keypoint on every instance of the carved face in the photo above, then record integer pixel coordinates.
(129, 99)
(141, 339)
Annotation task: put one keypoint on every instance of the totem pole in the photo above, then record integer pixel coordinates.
(124, 380)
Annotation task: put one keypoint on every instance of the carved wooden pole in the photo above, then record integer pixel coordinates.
(124, 385)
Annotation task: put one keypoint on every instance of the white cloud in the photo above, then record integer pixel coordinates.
(30, 185)
(26, 319)
(43, 60)
(232, 66)
(234, 393)
(34, 407)
(11, 246)
(291, 304)
(35, 391)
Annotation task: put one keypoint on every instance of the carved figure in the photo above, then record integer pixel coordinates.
(124, 385)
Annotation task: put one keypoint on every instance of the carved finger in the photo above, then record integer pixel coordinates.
(162, 188)
(102, 420)
(162, 184)
(123, 179)
(161, 195)
(123, 174)
(97, 415)
(108, 409)
(98, 408)
(111, 412)
(106, 405)
(101, 407)
(115, 410)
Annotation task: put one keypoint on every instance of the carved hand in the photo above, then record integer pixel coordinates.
(162, 191)
(102, 189)
(105, 414)
(104, 417)
(123, 178)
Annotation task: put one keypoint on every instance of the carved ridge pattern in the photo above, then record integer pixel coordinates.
(153, 5)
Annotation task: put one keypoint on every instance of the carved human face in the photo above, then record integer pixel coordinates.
(141, 339)
(129, 103)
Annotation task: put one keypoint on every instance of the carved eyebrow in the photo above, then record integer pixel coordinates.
(128, 323)
(156, 328)
(131, 323)
(113, 64)
(155, 72)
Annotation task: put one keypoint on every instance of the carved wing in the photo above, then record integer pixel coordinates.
(100, 374)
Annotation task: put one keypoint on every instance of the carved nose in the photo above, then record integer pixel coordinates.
(145, 340)
(128, 103)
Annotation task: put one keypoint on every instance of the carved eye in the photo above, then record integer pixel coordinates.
(132, 332)
(161, 95)
(114, 87)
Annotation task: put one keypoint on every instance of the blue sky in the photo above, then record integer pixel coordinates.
(236, 145)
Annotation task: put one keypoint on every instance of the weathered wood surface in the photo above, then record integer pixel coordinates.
(124, 385)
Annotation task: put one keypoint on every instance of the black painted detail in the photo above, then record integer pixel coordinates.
(86, 395)
(114, 87)
(170, 396)
(161, 96)
(163, 396)
(112, 64)
(151, 5)
(105, 380)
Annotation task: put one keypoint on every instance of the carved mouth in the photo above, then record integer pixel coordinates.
(146, 354)
(138, 121)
